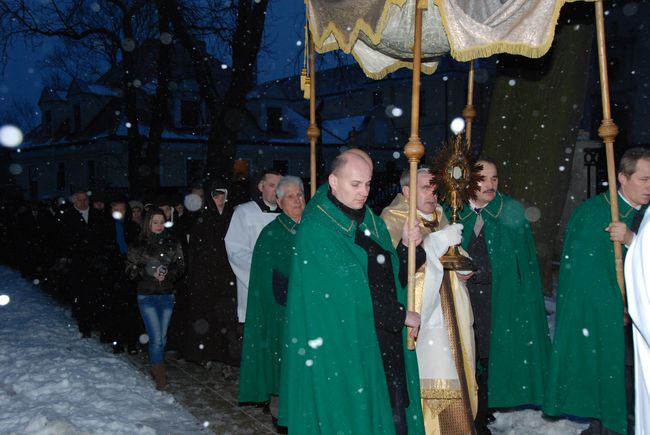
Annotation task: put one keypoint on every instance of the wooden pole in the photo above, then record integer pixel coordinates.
(313, 132)
(608, 131)
(414, 150)
(469, 112)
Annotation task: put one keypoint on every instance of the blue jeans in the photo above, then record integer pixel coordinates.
(156, 311)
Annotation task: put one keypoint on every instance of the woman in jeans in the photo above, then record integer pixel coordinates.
(156, 262)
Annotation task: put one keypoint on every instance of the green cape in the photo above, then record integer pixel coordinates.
(263, 333)
(587, 364)
(332, 369)
(519, 340)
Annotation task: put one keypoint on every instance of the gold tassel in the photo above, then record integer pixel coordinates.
(303, 79)
(307, 88)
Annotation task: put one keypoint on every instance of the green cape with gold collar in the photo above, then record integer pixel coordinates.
(332, 372)
(587, 365)
(519, 340)
(265, 318)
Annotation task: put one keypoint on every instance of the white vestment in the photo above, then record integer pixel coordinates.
(435, 358)
(443, 404)
(637, 279)
(246, 224)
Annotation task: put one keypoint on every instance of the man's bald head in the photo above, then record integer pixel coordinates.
(350, 178)
(343, 158)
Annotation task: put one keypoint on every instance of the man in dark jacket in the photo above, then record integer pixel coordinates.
(82, 241)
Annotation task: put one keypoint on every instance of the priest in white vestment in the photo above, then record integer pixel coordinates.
(444, 407)
(246, 224)
(637, 279)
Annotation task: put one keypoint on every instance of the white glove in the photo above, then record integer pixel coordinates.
(436, 244)
(453, 233)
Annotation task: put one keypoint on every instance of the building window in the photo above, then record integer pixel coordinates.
(194, 171)
(273, 119)
(282, 166)
(60, 177)
(380, 132)
(190, 113)
(33, 181)
(47, 122)
(377, 97)
(90, 168)
(77, 117)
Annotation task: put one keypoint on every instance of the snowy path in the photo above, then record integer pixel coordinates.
(53, 382)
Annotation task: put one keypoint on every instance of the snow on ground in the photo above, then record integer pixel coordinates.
(54, 382)
(531, 422)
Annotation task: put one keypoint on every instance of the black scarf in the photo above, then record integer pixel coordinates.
(355, 215)
(265, 208)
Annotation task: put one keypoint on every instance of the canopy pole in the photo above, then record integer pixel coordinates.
(313, 132)
(414, 150)
(469, 112)
(607, 132)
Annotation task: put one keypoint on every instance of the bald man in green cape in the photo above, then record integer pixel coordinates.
(345, 367)
(512, 339)
(259, 379)
(587, 369)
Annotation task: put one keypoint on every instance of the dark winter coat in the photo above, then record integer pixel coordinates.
(35, 230)
(210, 296)
(145, 257)
(83, 240)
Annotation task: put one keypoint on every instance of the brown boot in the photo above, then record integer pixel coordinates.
(159, 377)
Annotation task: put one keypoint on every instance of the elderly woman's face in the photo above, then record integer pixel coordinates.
(292, 202)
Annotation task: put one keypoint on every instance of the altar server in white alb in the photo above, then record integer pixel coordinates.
(637, 279)
(247, 223)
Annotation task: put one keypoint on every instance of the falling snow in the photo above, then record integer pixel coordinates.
(10, 136)
(193, 202)
(53, 382)
(457, 125)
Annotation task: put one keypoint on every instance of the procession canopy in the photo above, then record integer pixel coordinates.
(483, 28)
(379, 33)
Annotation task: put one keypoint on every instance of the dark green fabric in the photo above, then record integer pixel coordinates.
(262, 347)
(335, 381)
(587, 363)
(519, 340)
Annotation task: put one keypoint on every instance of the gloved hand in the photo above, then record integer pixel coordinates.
(436, 244)
(453, 233)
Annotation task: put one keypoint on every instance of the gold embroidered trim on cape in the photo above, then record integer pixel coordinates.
(347, 230)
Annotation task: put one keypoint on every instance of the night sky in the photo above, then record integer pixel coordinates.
(20, 78)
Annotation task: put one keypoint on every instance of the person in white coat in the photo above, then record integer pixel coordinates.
(637, 278)
(247, 222)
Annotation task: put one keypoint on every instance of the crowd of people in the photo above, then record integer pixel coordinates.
(310, 299)
(136, 274)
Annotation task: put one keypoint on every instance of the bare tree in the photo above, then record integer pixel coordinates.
(111, 29)
(238, 26)
(21, 113)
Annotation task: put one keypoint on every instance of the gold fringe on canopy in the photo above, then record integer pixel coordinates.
(378, 33)
(345, 20)
(381, 37)
(481, 29)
